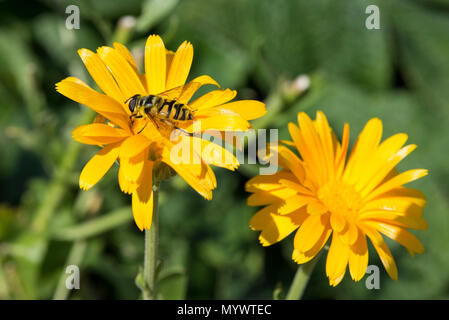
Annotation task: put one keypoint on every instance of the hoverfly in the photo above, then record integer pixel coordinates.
(166, 106)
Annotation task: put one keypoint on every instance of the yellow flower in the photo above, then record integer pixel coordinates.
(321, 194)
(143, 147)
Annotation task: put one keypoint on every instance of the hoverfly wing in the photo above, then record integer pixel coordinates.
(182, 93)
(172, 94)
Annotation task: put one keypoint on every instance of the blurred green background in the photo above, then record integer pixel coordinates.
(399, 73)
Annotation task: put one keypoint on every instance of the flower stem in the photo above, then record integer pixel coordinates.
(301, 279)
(150, 255)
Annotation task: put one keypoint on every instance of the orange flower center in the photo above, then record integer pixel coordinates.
(340, 198)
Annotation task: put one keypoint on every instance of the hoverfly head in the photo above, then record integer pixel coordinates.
(132, 102)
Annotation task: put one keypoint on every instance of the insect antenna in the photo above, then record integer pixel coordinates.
(127, 100)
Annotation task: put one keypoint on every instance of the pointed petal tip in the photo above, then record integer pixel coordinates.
(84, 53)
(138, 226)
(263, 242)
(302, 115)
(85, 186)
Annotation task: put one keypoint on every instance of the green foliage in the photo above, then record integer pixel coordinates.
(399, 73)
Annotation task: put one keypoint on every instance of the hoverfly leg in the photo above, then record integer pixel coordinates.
(155, 123)
(142, 128)
(178, 128)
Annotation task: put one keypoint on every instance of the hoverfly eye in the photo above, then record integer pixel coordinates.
(132, 105)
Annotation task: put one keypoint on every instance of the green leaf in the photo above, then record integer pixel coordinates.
(288, 38)
(172, 283)
(153, 11)
(424, 59)
(94, 227)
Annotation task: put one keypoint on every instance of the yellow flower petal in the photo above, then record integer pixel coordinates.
(142, 199)
(100, 73)
(127, 186)
(124, 52)
(338, 222)
(295, 186)
(212, 99)
(396, 218)
(98, 134)
(197, 175)
(400, 235)
(219, 120)
(398, 199)
(155, 64)
(96, 168)
(337, 260)
(169, 55)
(358, 258)
(78, 91)
(133, 146)
(190, 88)
(310, 232)
(287, 159)
(380, 162)
(397, 181)
(216, 155)
(368, 141)
(126, 77)
(387, 167)
(180, 65)
(294, 203)
(316, 208)
(133, 167)
(262, 198)
(99, 119)
(275, 227)
(247, 109)
(272, 196)
(383, 251)
(310, 146)
(267, 182)
(350, 233)
(307, 155)
(342, 151)
(325, 136)
(303, 257)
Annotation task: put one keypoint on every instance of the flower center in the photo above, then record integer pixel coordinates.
(340, 198)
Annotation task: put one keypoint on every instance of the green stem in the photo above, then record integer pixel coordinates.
(301, 279)
(150, 255)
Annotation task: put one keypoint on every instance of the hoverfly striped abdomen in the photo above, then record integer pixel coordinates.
(163, 106)
(173, 110)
